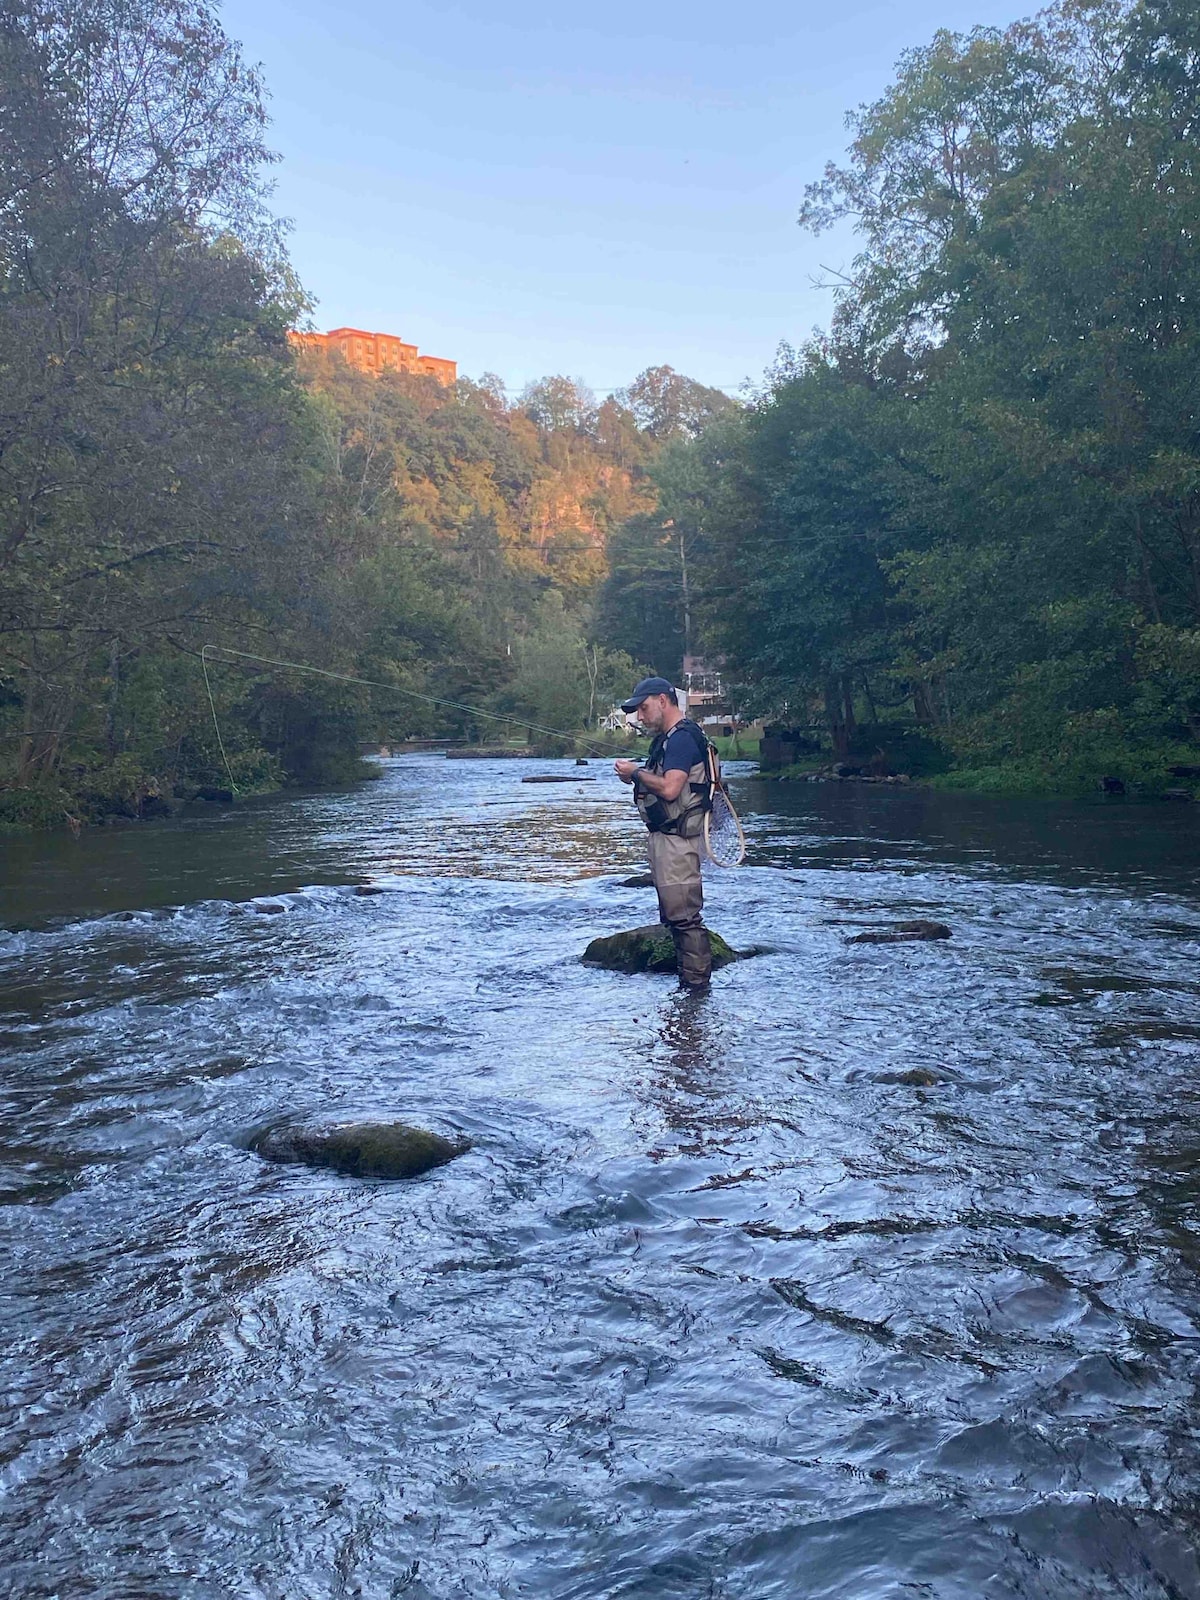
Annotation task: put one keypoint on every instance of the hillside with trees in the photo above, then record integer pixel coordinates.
(173, 477)
(959, 530)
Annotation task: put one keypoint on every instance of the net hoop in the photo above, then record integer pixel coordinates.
(725, 844)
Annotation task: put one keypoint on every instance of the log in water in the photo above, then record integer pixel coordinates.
(868, 1274)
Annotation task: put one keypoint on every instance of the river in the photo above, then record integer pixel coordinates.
(717, 1305)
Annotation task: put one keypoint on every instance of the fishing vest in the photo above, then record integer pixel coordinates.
(685, 815)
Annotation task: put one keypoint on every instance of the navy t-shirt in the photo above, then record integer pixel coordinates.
(682, 750)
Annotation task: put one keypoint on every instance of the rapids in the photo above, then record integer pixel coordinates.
(717, 1305)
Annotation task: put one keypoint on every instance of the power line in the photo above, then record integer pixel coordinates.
(598, 746)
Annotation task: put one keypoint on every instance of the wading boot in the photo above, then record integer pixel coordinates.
(693, 955)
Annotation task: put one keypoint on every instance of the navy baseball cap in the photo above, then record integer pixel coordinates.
(644, 690)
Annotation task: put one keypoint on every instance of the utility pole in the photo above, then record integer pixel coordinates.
(687, 608)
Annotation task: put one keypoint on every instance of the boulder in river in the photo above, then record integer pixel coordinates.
(648, 949)
(640, 880)
(361, 1149)
(903, 933)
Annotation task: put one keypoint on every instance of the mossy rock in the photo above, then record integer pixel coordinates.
(648, 949)
(361, 1149)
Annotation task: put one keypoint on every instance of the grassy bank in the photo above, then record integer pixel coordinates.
(1154, 770)
(1031, 780)
(1037, 780)
(122, 792)
(732, 748)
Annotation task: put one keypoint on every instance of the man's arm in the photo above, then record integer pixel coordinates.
(667, 785)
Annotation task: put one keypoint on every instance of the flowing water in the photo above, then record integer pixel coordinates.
(872, 1273)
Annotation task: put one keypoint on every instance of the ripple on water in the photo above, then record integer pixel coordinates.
(873, 1272)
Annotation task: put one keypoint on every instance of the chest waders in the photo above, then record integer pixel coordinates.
(674, 829)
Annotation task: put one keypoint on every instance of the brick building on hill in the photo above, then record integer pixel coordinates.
(374, 352)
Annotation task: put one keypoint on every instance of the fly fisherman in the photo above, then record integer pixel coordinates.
(672, 793)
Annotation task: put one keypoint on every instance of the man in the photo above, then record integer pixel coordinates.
(671, 793)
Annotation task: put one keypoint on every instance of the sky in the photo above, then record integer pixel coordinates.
(529, 188)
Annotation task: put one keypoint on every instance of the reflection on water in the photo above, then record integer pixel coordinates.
(871, 1273)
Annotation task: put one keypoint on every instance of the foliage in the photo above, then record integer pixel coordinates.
(668, 405)
(548, 692)
(175, 480)
(647, 604)
(640, 609)
(150, 475)
(974, 507)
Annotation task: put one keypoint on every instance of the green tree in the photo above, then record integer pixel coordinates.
(148, 449)
(976, 503)
(668, 405)
(559, 405)
(639, 609)
(561, 681)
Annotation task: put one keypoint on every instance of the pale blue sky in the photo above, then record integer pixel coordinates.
(534, 188)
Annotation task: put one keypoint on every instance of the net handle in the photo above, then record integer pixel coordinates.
(714, 766)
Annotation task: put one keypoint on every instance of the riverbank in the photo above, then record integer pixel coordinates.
(1177, 784)
(120, 795)
(48, 808)
(122, 801)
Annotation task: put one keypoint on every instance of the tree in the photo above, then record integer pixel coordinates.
(561, 679)
(640, 605)
(977, 502)
(141, 344)
(799, 524)
(559, 405)
(668, 405)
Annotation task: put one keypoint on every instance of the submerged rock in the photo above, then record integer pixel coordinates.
(213, 796)
(903, 933)
(269, 908)
(649, 949)
(640, 880)
(556, 777)
(361, 1149)
(365, 889)
(488, 752)
(914, 1078)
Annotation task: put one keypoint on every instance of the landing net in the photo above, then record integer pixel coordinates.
(724, 841)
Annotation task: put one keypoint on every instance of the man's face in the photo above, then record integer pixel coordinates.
(651, 712)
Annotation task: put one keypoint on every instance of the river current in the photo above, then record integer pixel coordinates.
(870, 1274)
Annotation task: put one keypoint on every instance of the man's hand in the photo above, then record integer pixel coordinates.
(625, 770)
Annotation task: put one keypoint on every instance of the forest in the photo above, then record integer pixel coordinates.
(177, 483)
(958, 531)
